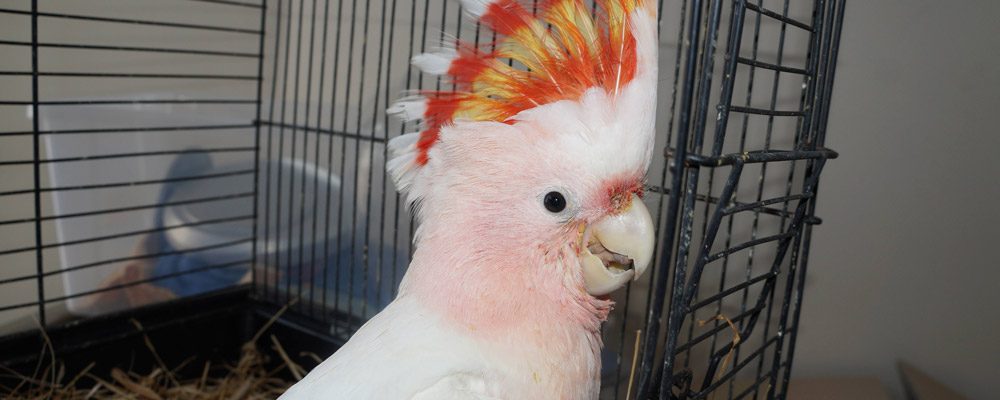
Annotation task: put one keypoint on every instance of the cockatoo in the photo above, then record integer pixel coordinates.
(527, 183)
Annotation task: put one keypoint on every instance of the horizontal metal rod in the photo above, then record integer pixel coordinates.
(748, 244)
(773, 67)
(715, 200)
(128, 155)
(736, 368)
(323, 131)
(133, 21)
(127, 209)
(230, 2)
(145, 256)
(148, 280)
(130, 258)
(132, 48)
(61, 271)
(126, 234)
(130, 183)
(736, 288)
(753, 386)
(779, 17)
(130, 75)
(711, 332)
(754, 157)
(132, 130)
(19, 305)
(762, 203)
(122, 102)
(657, 189)
(763, 111)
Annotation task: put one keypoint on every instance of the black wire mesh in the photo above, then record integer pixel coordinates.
(154, 146)
(103, 103)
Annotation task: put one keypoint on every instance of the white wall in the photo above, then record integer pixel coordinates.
(904, 266)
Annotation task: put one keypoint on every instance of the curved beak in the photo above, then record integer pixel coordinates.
(619, 248)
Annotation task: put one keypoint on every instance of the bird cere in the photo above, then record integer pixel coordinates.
(526, 182)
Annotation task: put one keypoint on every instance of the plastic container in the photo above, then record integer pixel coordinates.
(104, 224)
(203, 245)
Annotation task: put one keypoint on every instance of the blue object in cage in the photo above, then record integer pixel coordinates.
(205, 232)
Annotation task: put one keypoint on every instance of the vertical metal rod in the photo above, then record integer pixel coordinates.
(711, 232)
(704, 89)
(763, 173)
(812, 178)
(807, 105)
(707, 69)
(281, 156)
(402, 130)
(386, 187)
(788, 190)
(311, 264)
(256, 147)
(36, 166)
(325, 265)
(733, 45)
(813, 67)
(831, 58)
(376, 113)
(267, 169)
(444, 14)
(420, 84)
(807, 230)
(357, 165)
(366, 249)
(663, 227)
(343, 162)
(653, 317)
(742, 147)
(810, 104)
(291, 171)
(329, 162)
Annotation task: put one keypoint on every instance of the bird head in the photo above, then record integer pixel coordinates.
(535, 164)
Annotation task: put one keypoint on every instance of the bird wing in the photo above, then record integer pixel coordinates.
(403, 352)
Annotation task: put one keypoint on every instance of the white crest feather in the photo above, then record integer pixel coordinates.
(408, 109)
(402, 164)
(435, 62)
(476, 7)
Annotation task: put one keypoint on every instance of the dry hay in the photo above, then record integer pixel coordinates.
(248, 378)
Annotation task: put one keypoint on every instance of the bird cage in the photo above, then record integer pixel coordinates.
(178, 171)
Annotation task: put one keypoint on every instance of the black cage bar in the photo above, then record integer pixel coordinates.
(153, 150)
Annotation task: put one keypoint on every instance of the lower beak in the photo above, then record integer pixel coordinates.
(624, 248)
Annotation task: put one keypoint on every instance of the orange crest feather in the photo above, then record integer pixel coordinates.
(565, 50)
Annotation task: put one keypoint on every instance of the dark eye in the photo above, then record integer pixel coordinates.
(554, 202)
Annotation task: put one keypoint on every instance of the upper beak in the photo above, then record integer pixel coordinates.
(618, 248)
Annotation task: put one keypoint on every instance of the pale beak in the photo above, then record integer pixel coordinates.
(618, 248)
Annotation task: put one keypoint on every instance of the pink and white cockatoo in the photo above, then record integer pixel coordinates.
(526, 183)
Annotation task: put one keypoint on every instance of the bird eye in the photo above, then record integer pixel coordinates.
(554, 202)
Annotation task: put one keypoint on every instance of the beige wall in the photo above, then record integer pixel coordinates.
(904, 266)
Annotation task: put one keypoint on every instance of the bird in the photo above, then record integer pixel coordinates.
(527, 184)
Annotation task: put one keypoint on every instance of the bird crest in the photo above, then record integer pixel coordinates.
(557, 52)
